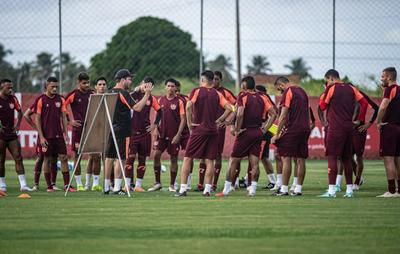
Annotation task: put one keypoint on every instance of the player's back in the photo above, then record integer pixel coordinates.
(299, 117)
(254, 109)
(206, 102)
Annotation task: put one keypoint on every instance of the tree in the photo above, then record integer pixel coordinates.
(43, 68)
(6, 69)
(224, 65)
(298, 66)
(70, 70)
(148, 46)
(259, 65)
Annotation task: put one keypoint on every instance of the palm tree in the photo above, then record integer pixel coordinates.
(43, 67)
(224, 65)
(298, 66)
(70, 71)
(259, 65)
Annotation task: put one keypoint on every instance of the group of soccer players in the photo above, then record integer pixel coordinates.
(197, 124)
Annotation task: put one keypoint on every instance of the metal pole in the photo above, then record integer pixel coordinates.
(60, 46)
(201, 37)
(238, 67)
(334, 34)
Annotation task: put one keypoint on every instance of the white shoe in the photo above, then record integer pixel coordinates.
(35, 188)
(87, 188)
(171, 188)
(25, 188)
(251, 194)
(276, 187)
(156, 187)
(232, 189)
(3, 188)
(388, 195)
(356, 187)
(56, 188)
(292, 188)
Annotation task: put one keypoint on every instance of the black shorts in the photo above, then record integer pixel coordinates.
(122, 143)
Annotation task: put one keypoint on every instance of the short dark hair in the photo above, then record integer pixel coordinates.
(332, 73)
(392, 72)
(101, 78)
(83, 76)
(209, 75)
(250, 83)
(218, 73)
(3, 81)
(261, 88)
(281, 80)
(178, 83)
(51, 79)
(172, 80)
(149, 79)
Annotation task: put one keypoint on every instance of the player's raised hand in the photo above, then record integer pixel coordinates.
(148, 87)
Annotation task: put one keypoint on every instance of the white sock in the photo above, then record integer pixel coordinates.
(253, 186)
(349, 188)
(3, 182)
(107, 183)
(298, 188)
(294, 181)
(22, 181)
(87, 183)
(271, 178)
(284, 188)
(183, 188)
(96, 180)
(237, 182)
(78, 180)
(189, 179)
(339, 179)
(332, 189)
(138, 182)
(117, 184)
(227, 187)
(279, 179)
(207, 188)
(128, 181)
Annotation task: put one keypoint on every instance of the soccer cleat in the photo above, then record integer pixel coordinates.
(207, 194)
(348, 195)
(106, 192)
(327, 195)
(3, 188)
(221, 194)
(388, 195)
(337, 187)
(296, 194)
(71, 189)
(87, 187)
(279, 193)
(276, 187)
(35, 187)
(292, 188)
(50, 190)
(269, 186)
(242, 183)
(139, 189)
(251, 194)
(119, 192)
(171, 188)
(214, 188)
(178, 195)
(97, 188)
(56, 188)
(25, 188)
(356, 187)
(199, 188)
(156, 187)
(80, 188)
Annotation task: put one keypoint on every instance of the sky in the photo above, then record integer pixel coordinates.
(367, 31)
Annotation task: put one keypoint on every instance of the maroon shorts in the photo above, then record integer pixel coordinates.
(140, 144)
(221, 140)
(293, 144)
(76, 140)
(55, 147)
(247, 143)
(122, 144)
(202, 144)
(390, 140)
(359, 139)
(162, 144)
(339, 143)
(184, 140)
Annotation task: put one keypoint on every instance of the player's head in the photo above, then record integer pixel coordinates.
(101, 85)
(83, 81)
(248, 83)
(170, 86)
(207, 78)
(123, 77)
(146, 80)
(51, 85)
(281, 83)
(331, 76)
(178, 86)
(388, 76)
(262, 89)
(6, 86)
(217, 79)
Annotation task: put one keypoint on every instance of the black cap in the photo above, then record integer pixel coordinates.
(122, 73)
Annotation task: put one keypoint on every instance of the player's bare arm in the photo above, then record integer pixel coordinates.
(38, 122)
(272, 115)
(281, 122)
(28, 117)
(239, 121)
(18, 123)
(182, 125)
(381, 112)
(148, 87)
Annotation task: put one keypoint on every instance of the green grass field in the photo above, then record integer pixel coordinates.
(88, 222)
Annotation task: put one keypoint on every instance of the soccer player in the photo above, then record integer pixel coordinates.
(340, 101)
(389, 127)
(140, 139)
(9, 134)
(202, 120)
(293, 132)
(169, 133)
(78, 100)
(122, 127)
(252, 109)
(51, 123)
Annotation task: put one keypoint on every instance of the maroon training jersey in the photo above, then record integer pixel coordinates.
(141, 120)
(339, 99)
(206, 102)
(7, 107)
(256, 107)
(79, 102)
(392, 114)
(296, 100)
(184, 99)
(228, 95)
(172, 110)
(50, 110)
